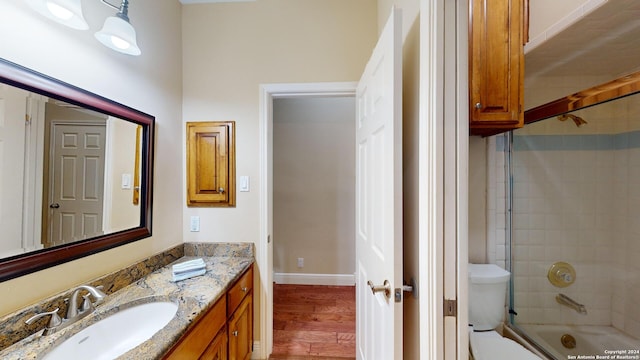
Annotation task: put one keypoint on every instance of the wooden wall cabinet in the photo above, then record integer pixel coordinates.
(225, 332)
(211, 164)
(497, 32)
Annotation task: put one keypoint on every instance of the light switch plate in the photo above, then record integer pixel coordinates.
(244, 183)
(126, 182)
(195, 224)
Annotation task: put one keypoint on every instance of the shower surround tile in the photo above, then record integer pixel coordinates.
(576, 196)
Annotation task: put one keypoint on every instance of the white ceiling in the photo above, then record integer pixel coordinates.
(603, 42)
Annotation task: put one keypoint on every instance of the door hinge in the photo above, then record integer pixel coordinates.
(450, 307)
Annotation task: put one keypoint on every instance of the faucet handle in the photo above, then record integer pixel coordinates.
(54, 321)
(86, 303)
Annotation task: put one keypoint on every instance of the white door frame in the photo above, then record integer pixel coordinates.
(443, 177)
(264, 247)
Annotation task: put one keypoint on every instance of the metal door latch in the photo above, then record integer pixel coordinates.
(386, 288)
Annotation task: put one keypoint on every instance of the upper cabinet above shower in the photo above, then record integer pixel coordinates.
(497, 33)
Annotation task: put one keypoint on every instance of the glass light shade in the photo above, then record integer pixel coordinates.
(66, 12)
(117, 34)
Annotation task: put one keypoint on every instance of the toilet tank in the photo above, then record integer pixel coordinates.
(487, 295)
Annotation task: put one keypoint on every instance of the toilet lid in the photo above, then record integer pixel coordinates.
(489, 345)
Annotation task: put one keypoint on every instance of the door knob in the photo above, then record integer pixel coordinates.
(386, 288)
(54, 206)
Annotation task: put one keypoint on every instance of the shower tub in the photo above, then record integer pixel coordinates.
(588, 340)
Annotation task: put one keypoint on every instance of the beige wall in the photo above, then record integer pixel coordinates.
(232, 48)
(150, 83)
(313, 185)
(122, 144)
(477, 200)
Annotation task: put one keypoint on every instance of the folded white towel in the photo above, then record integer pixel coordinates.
(188, 274)
(195, 264)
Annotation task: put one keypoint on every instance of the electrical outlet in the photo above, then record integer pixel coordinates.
(300, 262)
(195, 224)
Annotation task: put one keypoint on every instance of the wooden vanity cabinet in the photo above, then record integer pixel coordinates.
(202, 336)
(225, 332)
(497, 31)
(240, 322)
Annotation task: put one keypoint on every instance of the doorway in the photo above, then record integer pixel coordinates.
(314, 223)
(265, 250)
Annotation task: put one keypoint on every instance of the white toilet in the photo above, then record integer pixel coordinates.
(487, 299)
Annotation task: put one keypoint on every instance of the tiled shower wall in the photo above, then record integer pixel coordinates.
(576, 199)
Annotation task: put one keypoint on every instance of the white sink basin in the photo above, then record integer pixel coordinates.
(116, 334)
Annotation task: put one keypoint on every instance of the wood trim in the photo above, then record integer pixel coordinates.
(525, 23)
(620, 87)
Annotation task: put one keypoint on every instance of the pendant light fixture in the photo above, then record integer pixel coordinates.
(117, 33)
(66, 12)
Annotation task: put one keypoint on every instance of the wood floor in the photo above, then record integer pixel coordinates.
(313, 322)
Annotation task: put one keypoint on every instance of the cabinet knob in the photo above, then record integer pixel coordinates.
(244, 289)
(235, 333)
(478, 106)
(221, 190)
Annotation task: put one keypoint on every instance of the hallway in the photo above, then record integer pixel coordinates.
(313, 322)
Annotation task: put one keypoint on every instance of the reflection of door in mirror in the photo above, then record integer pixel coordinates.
(76, 174)
(12, 136)
(66, 173)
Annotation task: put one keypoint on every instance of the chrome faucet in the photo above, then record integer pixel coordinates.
(567, 301)
(74, 312)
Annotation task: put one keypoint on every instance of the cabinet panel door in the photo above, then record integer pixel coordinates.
(496, 63)
(194, 343)
(217, 350)
(210, 164)
(241, 331)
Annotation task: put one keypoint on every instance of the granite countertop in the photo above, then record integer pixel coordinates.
(193, 296)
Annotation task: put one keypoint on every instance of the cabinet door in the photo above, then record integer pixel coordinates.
(496, 64)
(211, 163)
(217, 350)
(241, 330)
(198, 338)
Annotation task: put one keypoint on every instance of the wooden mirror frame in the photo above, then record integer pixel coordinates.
(27, 79)
(620, 87)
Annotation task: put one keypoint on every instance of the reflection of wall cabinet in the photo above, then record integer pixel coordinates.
(211, 163)
(496, 65)
(225, 331)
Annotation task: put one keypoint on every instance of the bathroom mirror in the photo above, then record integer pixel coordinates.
(75, 172)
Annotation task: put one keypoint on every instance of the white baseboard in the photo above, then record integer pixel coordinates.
(257, 352)
(314, 279)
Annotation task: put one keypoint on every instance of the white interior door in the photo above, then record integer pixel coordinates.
(77, 181)
(379, 199)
